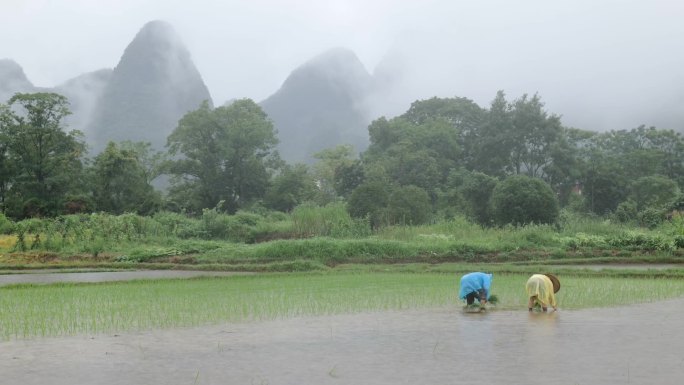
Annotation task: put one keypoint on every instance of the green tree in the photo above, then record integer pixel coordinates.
(150, 161)
(414, 154)
(330, 160)
(647, 151)
(655, 191)
(46, 161)
(520, 200)
(369, 200)
(494, 142)
(348, 177)
(409, 205)
(522, 138)
(671, 145)
(120, 182)
(291, 187)
(7, 171)
(535, 137)
(464, 117)
(223, 154)
(476, 191)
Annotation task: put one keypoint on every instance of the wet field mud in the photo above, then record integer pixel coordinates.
(640, 344)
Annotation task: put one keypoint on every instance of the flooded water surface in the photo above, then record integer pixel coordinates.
(103, 276)
(639, 344)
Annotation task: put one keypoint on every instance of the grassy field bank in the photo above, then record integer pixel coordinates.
(311, 239)
(28, 311)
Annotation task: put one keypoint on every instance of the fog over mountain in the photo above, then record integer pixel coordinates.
(321, 104)
(84, 93)
(12, 80)
(152, 87)
(608, 65)
(154, 84)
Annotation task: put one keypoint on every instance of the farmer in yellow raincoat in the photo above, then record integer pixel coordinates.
(542, 288)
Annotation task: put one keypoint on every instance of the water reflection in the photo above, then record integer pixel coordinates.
(631, 345)
(542, 343)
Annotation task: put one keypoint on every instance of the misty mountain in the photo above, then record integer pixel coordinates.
(322, 104)
(152, 87)
(84, 92)
(12, 80)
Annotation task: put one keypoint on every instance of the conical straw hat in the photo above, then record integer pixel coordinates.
(555, 281)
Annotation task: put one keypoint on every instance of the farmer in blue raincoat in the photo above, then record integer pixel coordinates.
(476, 286)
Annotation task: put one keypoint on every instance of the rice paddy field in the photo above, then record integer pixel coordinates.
(317, 298)
(29, 311)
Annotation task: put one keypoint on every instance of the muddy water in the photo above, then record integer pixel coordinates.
(55, 276)
(631, 345)
(630, 266)
(40, 278)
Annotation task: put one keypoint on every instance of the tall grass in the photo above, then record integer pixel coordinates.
(69, 309)
(332, 220)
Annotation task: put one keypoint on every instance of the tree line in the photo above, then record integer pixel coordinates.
(512, 162)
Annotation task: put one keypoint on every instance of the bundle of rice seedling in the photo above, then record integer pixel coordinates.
(493, 299)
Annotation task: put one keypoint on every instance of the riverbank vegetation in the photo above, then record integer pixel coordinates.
(319, 238)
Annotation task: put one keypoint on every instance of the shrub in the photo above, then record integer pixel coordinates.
(576, 204)
(520, 200)
(679, 241)
(330, 220)
(176, 224)
(6, 225)
(650, 218)
(247, 218)
(626, 211)
(369, 200)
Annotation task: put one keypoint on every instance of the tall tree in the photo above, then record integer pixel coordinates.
(330, 160)
(348, 177)
(493, 145)
(6, 169)
(291, 187)
(522, 138)
(647, 151)
(120, 182)
(150, 160)
(47, 160)
(222, 154)
(463, 115)
(655, 191)
(420, 154)
(476, 191)
(536, 137)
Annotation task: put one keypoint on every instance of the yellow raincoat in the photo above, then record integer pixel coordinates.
(541, 286)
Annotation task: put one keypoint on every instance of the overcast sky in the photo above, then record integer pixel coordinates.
(600, 64)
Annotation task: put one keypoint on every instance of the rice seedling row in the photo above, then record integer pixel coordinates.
(28, 311)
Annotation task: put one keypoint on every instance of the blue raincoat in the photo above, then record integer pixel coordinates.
(474, 282)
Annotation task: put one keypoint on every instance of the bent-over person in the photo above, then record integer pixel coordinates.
(542, 289)
(474, 286)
